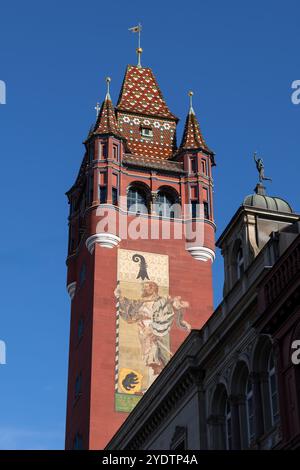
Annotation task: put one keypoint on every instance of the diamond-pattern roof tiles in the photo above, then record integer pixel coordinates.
(192, 137)
(106, 121)
(140, 93)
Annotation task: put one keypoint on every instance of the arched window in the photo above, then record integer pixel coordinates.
(237, 261)
(164, 203)
(266, 395)
(242, 409)
(273, 390)
(228, 424)
(240, 262)
(137, 200)
(250, 410)
(220, 420)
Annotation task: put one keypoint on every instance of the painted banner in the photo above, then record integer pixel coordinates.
(145, 314)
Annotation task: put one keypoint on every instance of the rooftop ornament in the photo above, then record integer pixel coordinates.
(139, 50)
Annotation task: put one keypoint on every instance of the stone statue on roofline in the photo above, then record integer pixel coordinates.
(260, 168)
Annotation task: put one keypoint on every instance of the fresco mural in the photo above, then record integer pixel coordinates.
(145, 314)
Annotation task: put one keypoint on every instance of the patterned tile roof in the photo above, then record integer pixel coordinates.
(140, 93)
(155, 163)
(106, 121)
(161, 145)
(192, 137)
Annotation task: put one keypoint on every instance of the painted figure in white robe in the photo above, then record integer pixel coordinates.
(154, 316)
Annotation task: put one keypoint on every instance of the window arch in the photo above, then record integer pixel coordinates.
(138, 199)
(237, 261)
(220, 420)
(240, 262)
(166, 201)
(241, 396)
(266, 390)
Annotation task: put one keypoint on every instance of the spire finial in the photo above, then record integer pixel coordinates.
(139, 50)
(191, 111)
(108, 80)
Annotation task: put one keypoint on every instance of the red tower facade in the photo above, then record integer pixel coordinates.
(141, 246)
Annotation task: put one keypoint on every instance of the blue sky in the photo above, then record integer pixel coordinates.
(240, 59)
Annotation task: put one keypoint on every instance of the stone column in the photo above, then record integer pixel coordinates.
(235, 422)
(217, 432)
(258, 405)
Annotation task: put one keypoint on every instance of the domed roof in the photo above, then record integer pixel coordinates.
(261, 200)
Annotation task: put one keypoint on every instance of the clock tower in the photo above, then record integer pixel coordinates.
(140, 253)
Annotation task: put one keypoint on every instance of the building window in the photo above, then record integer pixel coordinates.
(250, 410)
(193, 166)
(115, 196)
(165, 205)
(82, 274)
(228, 424)
(240, 262)
(91, 187)
(78, 442)
(203, 167)
(80, 328)
(146, 132)
(102, 194)
(102, 150)
(194, 209)
(273, 391)
(91, 152)
(206, 210)
(71, 239)
(78, 385)
(115, 152)
(137, 201)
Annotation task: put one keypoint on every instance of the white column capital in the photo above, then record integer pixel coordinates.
(105, 240)
(71, 288)
(201, 253)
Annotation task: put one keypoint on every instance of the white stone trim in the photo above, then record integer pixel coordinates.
(106, 240)
(201, 253)
(71, 288)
